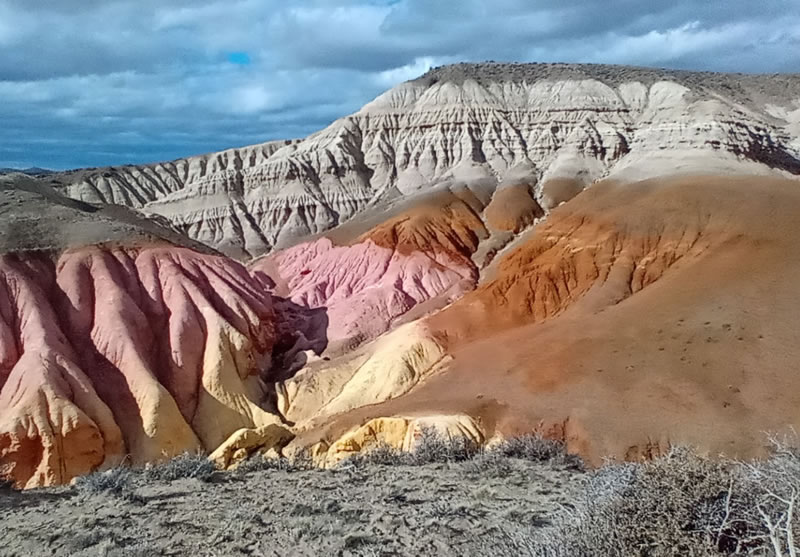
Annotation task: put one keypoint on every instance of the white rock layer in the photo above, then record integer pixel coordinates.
(539, 122)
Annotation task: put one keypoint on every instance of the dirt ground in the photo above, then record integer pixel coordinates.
(466, 508)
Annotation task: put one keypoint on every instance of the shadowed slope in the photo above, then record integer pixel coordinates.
(33, 216)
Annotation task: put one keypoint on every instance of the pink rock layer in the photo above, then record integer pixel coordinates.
(363, 287)
(112, 354)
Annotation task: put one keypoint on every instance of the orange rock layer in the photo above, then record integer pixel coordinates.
(637, 316)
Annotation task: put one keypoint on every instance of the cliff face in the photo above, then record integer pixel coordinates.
(559, 127)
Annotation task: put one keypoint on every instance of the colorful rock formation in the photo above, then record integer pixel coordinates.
(137, 354)
(475, 250)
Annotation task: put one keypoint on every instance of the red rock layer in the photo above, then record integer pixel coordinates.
(447, 231)
(108, 354)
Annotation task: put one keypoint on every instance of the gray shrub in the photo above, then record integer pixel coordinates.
(683, 504)
(118, 481)
(186, 465)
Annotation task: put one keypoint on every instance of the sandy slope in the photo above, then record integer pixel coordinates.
(636, 316)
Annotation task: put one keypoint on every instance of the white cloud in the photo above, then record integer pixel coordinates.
(419, 66)
(662, 46)
(250, 99)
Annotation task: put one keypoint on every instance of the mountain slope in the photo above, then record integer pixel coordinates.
(118, 341)
(559, 127)
(436, 259)
(637, 316)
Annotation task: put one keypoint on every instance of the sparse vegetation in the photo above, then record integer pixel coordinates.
(683, 504)
(536, 448)
(299, 462)
(257, 463)
(521, 497)
(433, 446)
(680, 504)
(430, 447)
(123, 480)
(186, 465)
(116, 481)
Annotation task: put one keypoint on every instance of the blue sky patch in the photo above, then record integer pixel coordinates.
(239, 58)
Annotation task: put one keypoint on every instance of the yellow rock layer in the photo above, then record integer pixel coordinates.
(230, 386)
(245, 442)
(397, 432)
(385, 369)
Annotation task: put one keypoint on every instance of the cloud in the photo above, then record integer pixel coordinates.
(251, 99)
(96, 82)
(419, 66)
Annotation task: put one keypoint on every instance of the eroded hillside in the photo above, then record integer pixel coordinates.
(558, 126)
(604, 255)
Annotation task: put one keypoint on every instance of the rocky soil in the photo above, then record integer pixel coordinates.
(465, 508)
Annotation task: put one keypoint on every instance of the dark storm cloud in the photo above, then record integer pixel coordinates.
(95, 82)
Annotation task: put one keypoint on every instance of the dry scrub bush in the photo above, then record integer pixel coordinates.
(759, 513)
(301, 461)
(535, 448)
(186, 465)
(431, 447)
(117, 481)
(257, 463)
(381, 455)
(434, 447)
(683, 504)
(122, 481)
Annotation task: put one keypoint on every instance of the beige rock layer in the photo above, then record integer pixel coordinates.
(382, 370)
(245, 442)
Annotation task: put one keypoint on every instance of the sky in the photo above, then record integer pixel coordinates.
(106, 82)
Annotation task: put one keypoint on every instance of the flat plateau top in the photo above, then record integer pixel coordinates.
(736, 84)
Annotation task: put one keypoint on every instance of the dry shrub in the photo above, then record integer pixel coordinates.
(186, 465)
(759, 513)
(434, 447)
(257, 462)
(431, 447)
(118, 481)
(535, 448)
(683, 504)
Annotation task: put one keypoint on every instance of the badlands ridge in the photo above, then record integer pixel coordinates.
(607, 255)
